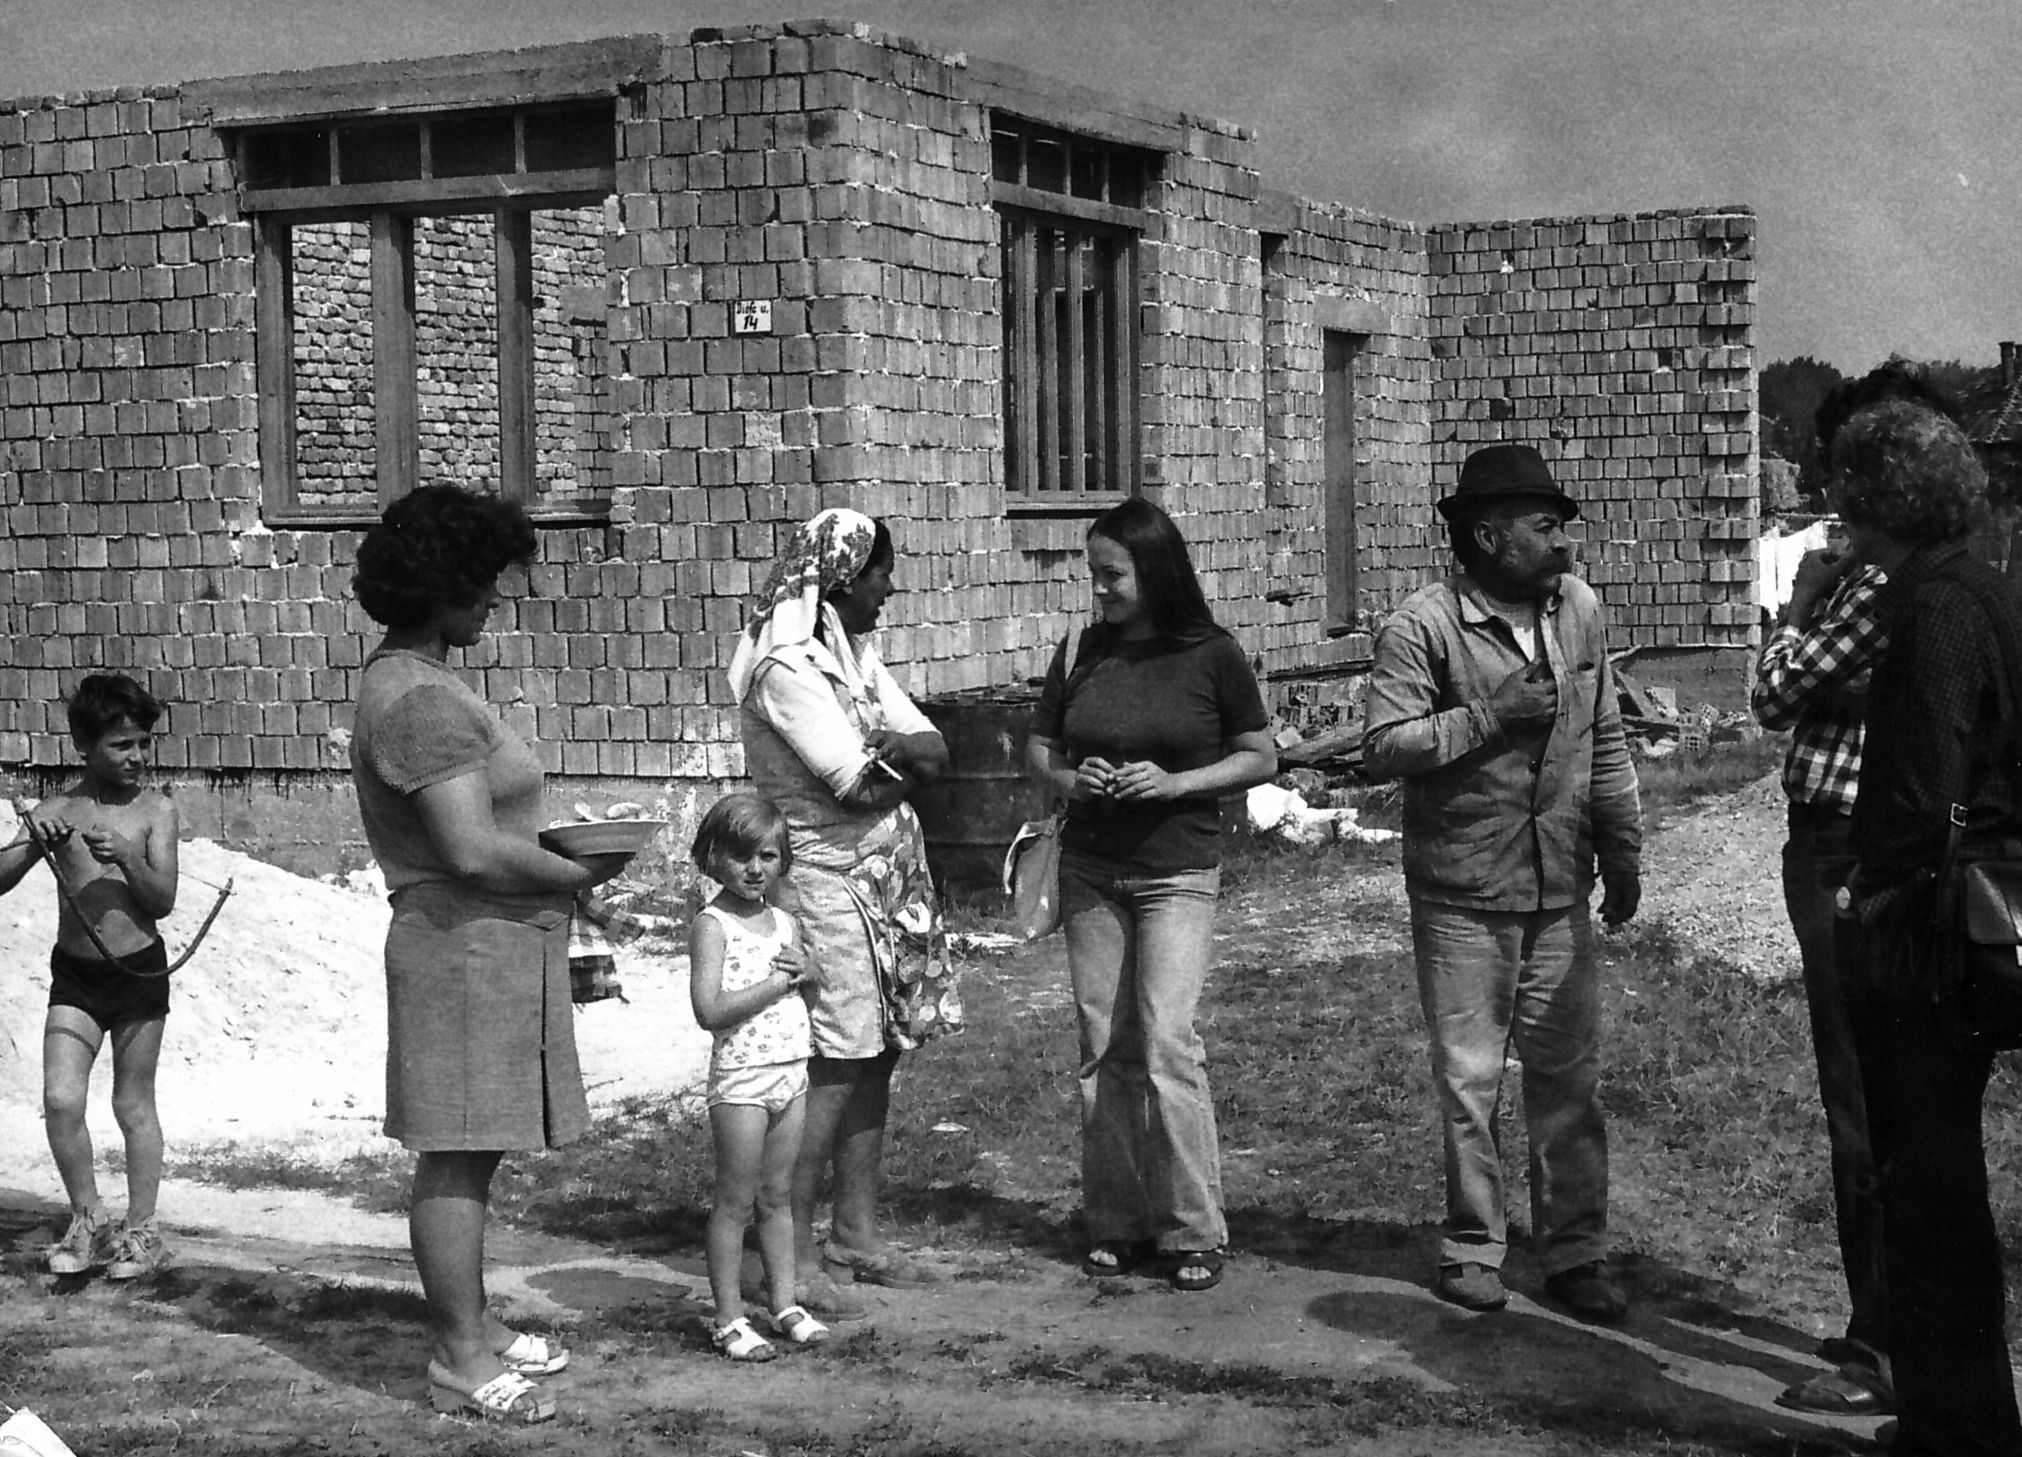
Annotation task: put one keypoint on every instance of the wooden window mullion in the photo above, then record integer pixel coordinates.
(397, 447)
(274, 288)
(1098, 380)
(1047, 373)
(1074, 381)
(1123, 382)
(1028, 354)
(516, 416)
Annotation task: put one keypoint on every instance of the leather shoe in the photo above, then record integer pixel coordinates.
(1471, 1287)
(1588, 1291)
(820, 1294)
(887, 1267)
(1851, 1391)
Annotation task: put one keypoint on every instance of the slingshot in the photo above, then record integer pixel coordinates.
(69, 899)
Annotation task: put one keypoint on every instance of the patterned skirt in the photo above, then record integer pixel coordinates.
(872, 921)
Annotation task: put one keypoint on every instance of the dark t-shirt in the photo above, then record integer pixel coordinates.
(1178, 705)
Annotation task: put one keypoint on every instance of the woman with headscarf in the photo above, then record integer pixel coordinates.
(832, 739)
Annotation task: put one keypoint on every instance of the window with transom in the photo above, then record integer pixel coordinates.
(1070, 213)
(431, 307)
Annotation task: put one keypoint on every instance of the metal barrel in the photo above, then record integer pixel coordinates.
(971, 812)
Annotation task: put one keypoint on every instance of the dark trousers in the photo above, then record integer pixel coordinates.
(1816, 863)
(1954, 1388)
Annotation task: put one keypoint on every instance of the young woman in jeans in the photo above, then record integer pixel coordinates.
(1158, 720)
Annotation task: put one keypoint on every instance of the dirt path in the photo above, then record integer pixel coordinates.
(291, 1322)
(258, 1342)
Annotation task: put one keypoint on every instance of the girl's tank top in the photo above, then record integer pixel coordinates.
(775, 1033)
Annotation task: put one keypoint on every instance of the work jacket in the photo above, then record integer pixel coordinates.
(1492, 820)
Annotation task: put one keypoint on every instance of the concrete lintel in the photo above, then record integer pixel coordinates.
(1277, 212)
(431, 83)
(1078, 109)
(1352, 316)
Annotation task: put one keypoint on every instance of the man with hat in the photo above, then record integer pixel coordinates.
(1492, 699)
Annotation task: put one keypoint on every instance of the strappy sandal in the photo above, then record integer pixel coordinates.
(1109, 1257)
(531, 1355)
(508, 1397)
(1210, 1261)
(740, 1342)
(796, 1325)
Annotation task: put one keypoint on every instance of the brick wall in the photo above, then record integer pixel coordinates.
(843, 177)
(1329, 254)
(1623, 347)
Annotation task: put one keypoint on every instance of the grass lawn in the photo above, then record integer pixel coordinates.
(1720, 1180)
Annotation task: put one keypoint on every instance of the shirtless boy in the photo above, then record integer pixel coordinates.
(115, 840)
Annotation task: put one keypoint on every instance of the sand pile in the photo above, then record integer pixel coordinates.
(276, 1030)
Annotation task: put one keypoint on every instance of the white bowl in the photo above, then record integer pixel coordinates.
(601, 837)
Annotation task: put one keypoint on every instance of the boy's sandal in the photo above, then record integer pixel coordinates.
(740, 1342)
(795, 1324)
(507, 1397)
(1198, 1269)
(1117, 1256)
(531, 1355)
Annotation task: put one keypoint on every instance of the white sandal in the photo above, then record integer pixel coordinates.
(740, 1342)
(508, 1397)
(531, 1355)
(794, 1324)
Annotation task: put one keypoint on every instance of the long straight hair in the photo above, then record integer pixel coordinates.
(1165, 571)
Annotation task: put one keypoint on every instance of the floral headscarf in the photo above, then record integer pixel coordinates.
(829, 550)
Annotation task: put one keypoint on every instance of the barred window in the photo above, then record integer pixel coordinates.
(1070, 214)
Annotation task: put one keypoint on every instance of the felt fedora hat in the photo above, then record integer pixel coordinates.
(1498, 472)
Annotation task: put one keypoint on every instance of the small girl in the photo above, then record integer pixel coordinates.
(746, 969)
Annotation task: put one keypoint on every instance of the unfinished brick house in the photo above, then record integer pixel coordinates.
(676, 293)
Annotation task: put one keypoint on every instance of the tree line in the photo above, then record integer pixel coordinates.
(1789, 391)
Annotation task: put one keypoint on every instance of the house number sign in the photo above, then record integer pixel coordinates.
(752, 316)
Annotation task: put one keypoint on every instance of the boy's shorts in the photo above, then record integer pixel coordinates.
(106, 994)
(771, 1085)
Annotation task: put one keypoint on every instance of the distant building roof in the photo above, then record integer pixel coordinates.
(1992, 410)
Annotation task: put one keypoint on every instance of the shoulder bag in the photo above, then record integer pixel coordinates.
(1976, 943)
(1032, 863)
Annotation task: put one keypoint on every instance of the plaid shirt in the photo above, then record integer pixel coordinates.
(1937, 734)
(1802, 682)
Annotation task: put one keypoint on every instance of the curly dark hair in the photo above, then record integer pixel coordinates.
(104, 700)
(1905, 470)
(1893, 379)
(436, 547)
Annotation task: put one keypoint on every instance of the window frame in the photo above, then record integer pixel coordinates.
(390, 210)
(1047, 427)
(1341, 551)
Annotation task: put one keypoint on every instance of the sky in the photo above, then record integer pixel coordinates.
(1867, 135)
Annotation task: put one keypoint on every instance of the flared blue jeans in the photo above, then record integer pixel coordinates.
(1139, 947)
